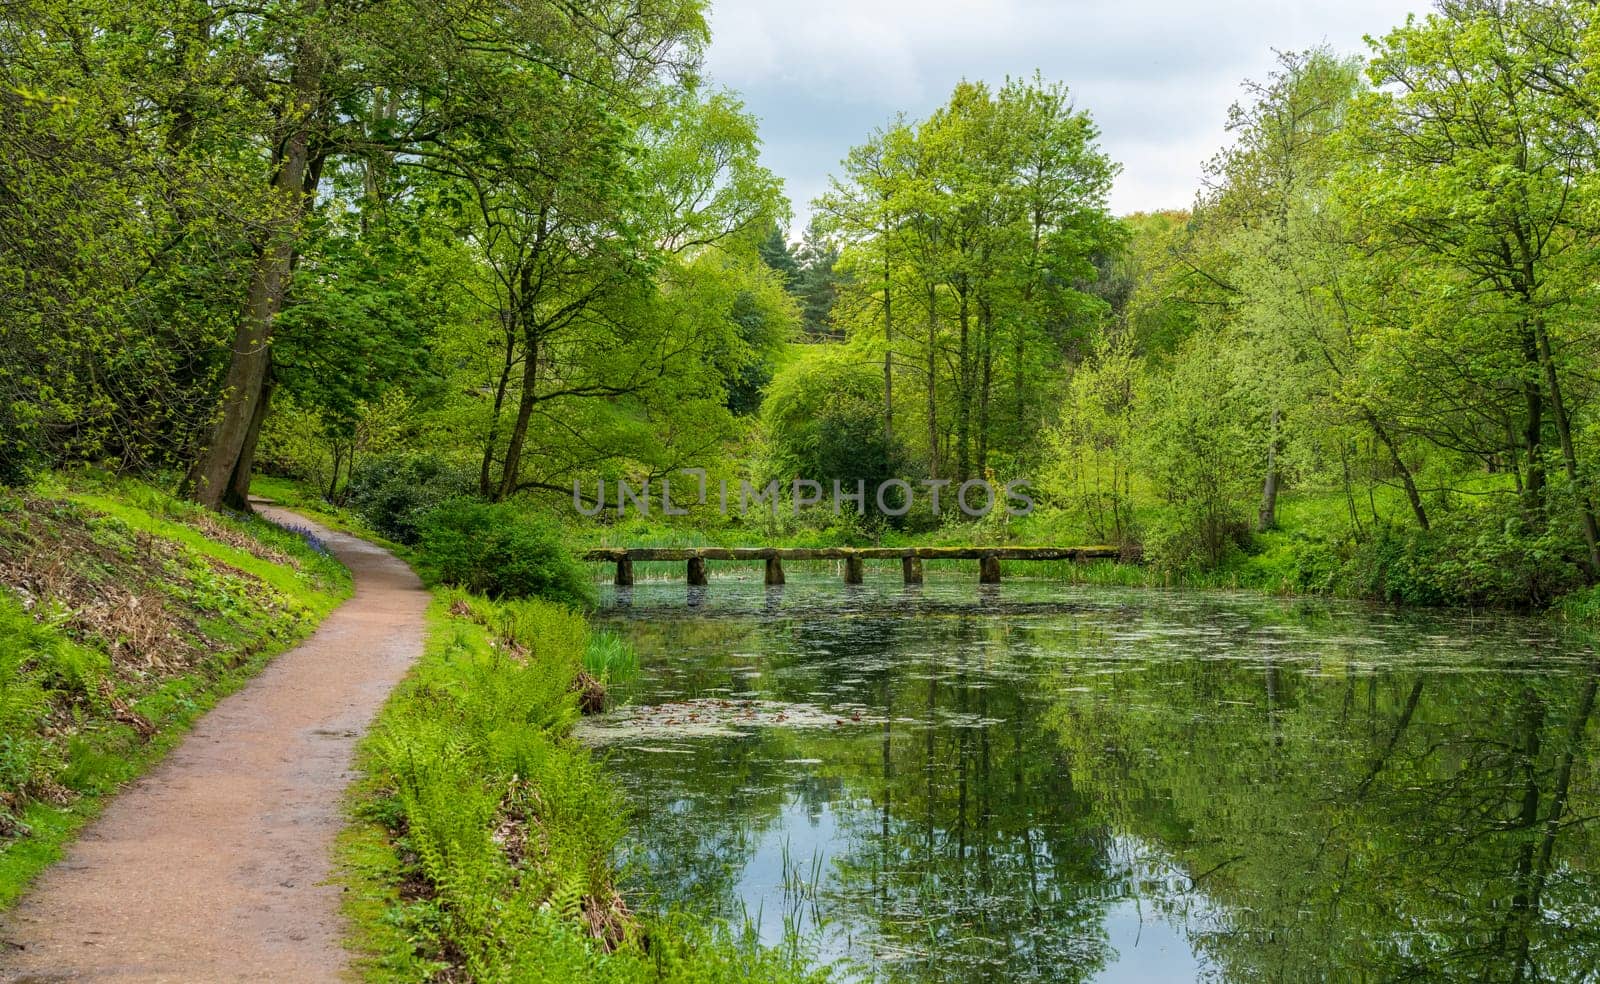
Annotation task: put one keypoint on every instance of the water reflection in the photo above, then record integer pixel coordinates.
(1084, 784)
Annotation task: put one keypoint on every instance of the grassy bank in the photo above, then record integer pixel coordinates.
(124, 615)
(482, 838)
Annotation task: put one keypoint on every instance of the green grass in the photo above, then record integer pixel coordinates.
(482, 837)
(144, 612)
(1581, 608)
(168, 525)
(609, 657)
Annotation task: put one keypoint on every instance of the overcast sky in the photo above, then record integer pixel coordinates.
(1158, 75)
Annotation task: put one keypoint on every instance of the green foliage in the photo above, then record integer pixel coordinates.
(610, 658)
(353, 328)
(1094, 447)
(30, 664)
(502, 550)
(821, 415)
(482, 797)
(1582, 607)
(1385, 283)
(816, 283)
(15, 453)
(1469, 557)
(966, 242)
(1198, 460)
(395, 493)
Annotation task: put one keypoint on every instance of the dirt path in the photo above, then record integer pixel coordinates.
(213, 866)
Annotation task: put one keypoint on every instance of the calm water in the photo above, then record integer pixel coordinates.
(1047, 783)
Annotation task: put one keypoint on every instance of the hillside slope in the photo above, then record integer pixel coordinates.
(125, 614)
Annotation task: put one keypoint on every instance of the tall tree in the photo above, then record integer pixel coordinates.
(984, 219)
(469, 83)
(1477, 184)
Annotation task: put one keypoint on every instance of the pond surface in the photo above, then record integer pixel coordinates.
(1039, 782)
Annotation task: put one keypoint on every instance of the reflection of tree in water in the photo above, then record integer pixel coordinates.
(1308, 798)
(974, 860)
(698, 817)
(1350, 825)
(699, 807)
(977, 860)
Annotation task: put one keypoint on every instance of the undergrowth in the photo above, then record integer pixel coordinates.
(483, 836)
(124, 615)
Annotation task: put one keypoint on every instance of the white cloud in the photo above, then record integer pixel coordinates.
(1158, 75)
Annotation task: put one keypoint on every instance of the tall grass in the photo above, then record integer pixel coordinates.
(501, 828)
(610, 658)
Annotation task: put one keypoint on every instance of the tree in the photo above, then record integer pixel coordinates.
(819, 415)
(817, 284)
(583, 264)
(1281, 162)
(1198, 454)
(775, 253)
(981, 223)
(448, 66)
(1479, 165)
(863, 210)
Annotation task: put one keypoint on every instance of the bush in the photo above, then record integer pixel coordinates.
(1191, 537)
(502, 551)
(395, 492)
(1472, 557)
(15, 453)
(823, 416)
(1199, 454)
(1582, 607)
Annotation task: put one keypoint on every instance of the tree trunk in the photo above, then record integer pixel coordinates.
(888, 355)
(1378, 762)
(1268, 517)
(1019, 381)
(338, 463)
(492, 440)
(1511, 454)
(238, 495)
(1533, 431)
(519, 430)
(1569, 455)
(1400, 466)
(933, 367)
(985, 381)
(963, 388)
(212, 478)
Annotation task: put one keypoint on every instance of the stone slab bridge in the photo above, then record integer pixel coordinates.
(854, 558)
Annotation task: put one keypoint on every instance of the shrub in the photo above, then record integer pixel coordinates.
(395, 492)
(1471, 557)
(1189, 537)
(1314, 564)
(24, 756)
(1199, 454)
(502, 551)
(1582, 606)
(823, 414)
